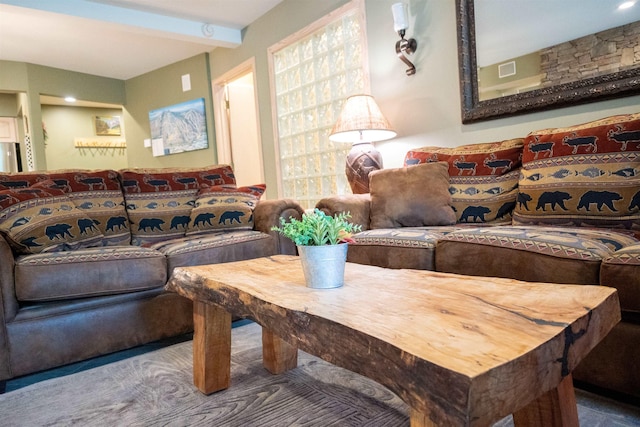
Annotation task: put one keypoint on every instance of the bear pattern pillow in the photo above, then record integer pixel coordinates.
(224, 207)
(483, 178)
(159, 201)
(35, 220)
(584, 175)
(96, 192)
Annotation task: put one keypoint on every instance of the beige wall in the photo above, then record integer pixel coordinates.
(424, 108)
(163, 88)
(65, 124)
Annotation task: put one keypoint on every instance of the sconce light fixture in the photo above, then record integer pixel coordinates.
(400, 25)
(361, 122)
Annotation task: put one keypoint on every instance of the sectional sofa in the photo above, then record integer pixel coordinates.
(560, 205)
(85, 255)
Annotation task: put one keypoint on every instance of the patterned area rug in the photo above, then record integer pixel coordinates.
(156, 389)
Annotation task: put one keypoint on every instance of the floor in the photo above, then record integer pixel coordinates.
(601, 404)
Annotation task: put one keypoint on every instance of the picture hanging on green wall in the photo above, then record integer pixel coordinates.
(108, 126)
(178, 128)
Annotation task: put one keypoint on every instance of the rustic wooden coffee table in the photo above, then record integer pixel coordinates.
(459, 350)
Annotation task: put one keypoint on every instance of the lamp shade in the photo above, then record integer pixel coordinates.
(361, 121)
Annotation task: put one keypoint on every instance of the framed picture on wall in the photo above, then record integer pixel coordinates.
(108, 126)
(179, 128)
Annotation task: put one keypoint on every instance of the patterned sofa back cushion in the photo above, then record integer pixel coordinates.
(159, 201)
(584, 175)
(97, 193)
(483, 178)
(37, 220)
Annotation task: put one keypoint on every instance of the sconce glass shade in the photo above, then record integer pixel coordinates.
(361, 121)
(400, 16)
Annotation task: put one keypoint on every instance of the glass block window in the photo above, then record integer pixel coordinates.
(313, 74)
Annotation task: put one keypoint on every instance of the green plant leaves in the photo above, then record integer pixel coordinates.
(317, 228)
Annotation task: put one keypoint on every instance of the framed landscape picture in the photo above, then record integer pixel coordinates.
(179, 128)
(108, 126)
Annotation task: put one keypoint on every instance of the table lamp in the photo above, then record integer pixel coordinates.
(361, 122)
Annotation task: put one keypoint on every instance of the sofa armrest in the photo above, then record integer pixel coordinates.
(359, 205)
(267, 214)
(8, 304)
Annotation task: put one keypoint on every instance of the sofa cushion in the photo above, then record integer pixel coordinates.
(88, 272)
(44, 220)
(585, 175)
(411, 197)
(96, 192)
(483, 178)
(406, 247)
(621, 270)
(215, 247)
(224, 208)
(536, 254)
(159, 201)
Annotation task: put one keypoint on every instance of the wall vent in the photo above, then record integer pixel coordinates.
(507, 69)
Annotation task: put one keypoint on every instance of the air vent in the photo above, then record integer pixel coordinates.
(507, 69)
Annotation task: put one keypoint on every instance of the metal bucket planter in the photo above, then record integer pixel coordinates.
(323, 266)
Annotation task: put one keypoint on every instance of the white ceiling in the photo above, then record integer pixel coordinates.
(506, 29)
(121, 38)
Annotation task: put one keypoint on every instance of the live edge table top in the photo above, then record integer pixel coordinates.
(460, 350)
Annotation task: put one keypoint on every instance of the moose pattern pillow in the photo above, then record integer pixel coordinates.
(159, 201)
(224, 207)
(36, 220)
(483, 178)
(584, 175)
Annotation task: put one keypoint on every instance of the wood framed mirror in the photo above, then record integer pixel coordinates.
(476, 105)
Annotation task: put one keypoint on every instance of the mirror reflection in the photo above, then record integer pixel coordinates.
(525, 45)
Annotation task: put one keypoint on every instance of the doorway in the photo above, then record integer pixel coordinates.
(237, 124)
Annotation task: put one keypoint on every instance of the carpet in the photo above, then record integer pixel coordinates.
(156, 389)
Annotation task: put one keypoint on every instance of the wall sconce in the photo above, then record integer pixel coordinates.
(400, 25)
(361, 122)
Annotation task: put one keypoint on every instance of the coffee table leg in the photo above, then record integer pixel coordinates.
(555, 408)
(278, 356)
(211, 347)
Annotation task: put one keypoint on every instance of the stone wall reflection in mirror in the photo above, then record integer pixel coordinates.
(606, 52)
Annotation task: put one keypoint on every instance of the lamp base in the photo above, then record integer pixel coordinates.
(361, 160)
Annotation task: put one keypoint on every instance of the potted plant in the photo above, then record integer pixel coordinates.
(322, 244)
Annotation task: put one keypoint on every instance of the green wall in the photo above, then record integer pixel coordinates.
(36, 80)
(65, 124)
(8, 105)
(162, 88)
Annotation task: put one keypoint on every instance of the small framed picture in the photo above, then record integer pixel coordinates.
(108, 126)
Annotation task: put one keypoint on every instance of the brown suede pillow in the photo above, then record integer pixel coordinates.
(411, 197)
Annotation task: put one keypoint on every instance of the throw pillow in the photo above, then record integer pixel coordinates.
(584, 175)
(483, 178)
(37, 220)
(159, 201)
(96, 192)
(224, 207)
(411, 197)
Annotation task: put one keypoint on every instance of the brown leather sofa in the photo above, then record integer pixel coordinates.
(561, 206)
(99, 286)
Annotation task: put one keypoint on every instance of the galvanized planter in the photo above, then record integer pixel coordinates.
(323, 266)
